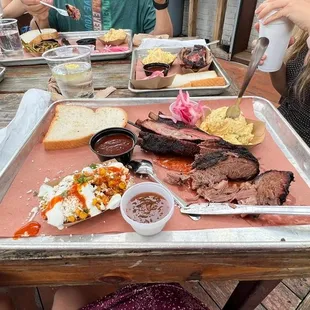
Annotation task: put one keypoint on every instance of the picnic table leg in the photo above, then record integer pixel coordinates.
(249, 294)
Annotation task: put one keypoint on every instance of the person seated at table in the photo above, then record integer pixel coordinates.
(292, 81)
(131, 297)
(141, 16)
(12, 8)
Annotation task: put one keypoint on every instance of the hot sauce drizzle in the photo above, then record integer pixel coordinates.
(74, 191)
(31, 229)
(51, 205)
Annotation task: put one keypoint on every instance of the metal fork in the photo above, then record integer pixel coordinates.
(60, 11)
(258, 52)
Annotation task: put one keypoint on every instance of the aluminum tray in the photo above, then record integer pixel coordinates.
(23, 61)
(193, 91)
(233, 238)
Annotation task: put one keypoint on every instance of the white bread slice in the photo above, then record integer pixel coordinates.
(34, 37)
(73, 126)
(186, 79)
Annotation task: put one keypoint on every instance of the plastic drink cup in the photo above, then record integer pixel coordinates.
(71, 67)
(279, 34)
(147, 229)
(10, 43)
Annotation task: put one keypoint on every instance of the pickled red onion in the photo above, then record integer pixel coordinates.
(114, 49)
(186, 110)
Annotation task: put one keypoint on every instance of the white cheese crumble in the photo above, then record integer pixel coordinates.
(55, 216)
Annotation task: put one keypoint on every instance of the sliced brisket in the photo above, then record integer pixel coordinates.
(235, 165)
(273, 187)
(162, 145)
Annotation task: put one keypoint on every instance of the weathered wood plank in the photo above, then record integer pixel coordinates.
(192, 17)
(22, 78)
(281, 298)
(219, 20)
(18, 268)
(301, 287)
(219, 290)
(196, 290)
(305, 304)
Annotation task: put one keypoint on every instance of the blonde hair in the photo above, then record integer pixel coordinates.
(303, 80)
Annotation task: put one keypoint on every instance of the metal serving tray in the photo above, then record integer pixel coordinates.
(193, 91)
(233, 238)
(27, 61)
(2, 72)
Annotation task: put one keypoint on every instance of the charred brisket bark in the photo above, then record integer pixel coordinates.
(273, 187)
(234, 165)
(162, 145)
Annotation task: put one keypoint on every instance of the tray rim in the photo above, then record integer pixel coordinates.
(296, 236)
(218, 89)
(94, 57)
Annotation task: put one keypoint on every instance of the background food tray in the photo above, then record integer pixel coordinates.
(193, 91)
(289, 143)
(28, 59)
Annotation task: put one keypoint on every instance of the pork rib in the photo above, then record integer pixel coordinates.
(162, 145)
(167, 130)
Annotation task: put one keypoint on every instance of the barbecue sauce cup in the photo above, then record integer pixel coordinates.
(87, 41)
(114, 143)
(149, 69)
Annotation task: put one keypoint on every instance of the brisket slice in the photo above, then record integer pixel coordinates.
(234, 165)
(190, 134)
(162, 145)
(269, 188)
(273, 187)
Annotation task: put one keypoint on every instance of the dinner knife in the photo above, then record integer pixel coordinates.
(235, 209)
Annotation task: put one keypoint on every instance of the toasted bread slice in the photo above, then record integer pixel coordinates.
(218, 81)
(73, 126)
(35, 37)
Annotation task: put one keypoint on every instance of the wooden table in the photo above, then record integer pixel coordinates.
(261, 267)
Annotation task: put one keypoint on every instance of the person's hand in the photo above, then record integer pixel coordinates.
(295, 10)
(37, 10)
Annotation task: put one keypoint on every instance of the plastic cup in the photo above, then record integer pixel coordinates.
(10, 43)
(71, 67)
(279, 34)
(147, 229)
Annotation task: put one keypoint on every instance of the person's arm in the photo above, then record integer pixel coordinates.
(12, 8)
(43, 23)
(163, 21)
(278, 80)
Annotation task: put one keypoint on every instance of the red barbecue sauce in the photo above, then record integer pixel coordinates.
(114, 144)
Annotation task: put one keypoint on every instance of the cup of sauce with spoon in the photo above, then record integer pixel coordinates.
(147, 207)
